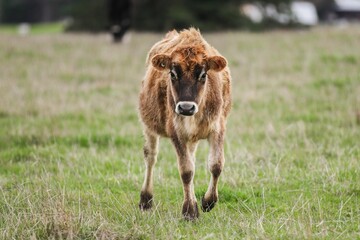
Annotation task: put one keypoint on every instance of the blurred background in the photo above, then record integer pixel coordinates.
(118, 16)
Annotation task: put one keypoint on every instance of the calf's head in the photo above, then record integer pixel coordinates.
(188, 77)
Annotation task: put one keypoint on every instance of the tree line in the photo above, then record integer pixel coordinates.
(148, 15)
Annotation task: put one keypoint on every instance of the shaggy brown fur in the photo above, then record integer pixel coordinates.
(182, 69)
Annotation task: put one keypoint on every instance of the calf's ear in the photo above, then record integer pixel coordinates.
(161, 62)
(216, 63)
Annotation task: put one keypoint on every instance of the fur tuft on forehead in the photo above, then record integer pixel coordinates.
(189, 56)
(187, 46)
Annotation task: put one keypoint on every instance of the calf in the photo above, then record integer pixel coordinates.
(185, 96)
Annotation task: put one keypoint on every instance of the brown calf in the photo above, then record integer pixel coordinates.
(185, 96)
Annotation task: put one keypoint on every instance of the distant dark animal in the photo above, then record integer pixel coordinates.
(185, 96)
(119, 12)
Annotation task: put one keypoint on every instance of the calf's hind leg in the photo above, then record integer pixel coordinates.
(216, 163)
(150, 155)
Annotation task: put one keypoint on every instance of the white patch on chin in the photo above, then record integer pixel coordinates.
(186, 125)
(190, 126)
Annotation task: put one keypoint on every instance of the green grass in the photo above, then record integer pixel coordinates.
(35, 29)
(71, 162)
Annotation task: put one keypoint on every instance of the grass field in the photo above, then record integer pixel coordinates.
(34, 29)
(71, 162)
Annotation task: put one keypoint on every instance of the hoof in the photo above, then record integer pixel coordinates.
(208, 204)
(146, 200)
(190, 211)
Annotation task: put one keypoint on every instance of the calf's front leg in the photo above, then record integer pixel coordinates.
(150, 155)
(185, 156)
(215, 163)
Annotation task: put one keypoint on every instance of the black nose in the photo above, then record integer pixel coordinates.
(186, 108)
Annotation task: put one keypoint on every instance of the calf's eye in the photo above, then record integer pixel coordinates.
(172, 76)
(202, 77)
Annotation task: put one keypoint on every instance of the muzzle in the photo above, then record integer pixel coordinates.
(186, 108)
